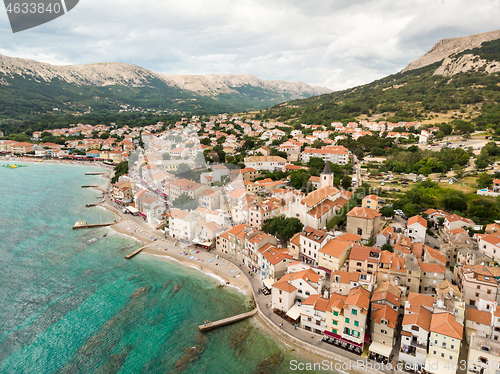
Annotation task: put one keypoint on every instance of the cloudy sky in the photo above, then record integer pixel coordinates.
(332, 43)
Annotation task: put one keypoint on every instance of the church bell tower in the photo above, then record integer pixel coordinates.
(326, 177)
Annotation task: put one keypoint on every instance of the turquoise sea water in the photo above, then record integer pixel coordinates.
(71, 303)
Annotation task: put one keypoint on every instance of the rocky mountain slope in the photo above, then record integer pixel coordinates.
(111, 85)
(457, 80)
(447, 47)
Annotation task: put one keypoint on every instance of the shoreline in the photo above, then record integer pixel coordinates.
(109, 168)
(221, 271)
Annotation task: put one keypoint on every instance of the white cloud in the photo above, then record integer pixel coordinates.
(333, 43)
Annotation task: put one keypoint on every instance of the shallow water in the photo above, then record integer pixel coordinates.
(71, 303)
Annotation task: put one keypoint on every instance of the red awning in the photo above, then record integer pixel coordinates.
(325, 269)
(143, 215)
(338, 337)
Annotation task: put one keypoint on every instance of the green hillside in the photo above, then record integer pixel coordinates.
(22, 97)
(472, 96)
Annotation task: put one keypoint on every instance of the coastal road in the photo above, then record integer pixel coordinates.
(299, 333)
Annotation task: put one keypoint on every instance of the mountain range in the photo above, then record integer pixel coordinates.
(28, 87)
(457, 80)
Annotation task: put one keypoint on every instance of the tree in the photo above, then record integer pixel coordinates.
(411, 209)
(120, 169)
(454, 200)
(483, 211)
(346, 182)
(206, 141)
(481, 162)
(317, 144)
(387, 247)
(104, 135)
(248, 144)
(484, 180)
(220, 153)
(387, 211)
(299, 178)
(445, 128)
(284, 228)
(459, 171)
(182, 169)
(166, 156)
(316, 163)
(185, 202)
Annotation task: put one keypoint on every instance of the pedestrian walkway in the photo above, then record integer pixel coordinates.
(264, 303)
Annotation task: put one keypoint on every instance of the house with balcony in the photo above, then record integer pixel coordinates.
(346, 319)
(364, 259)
(254, 241)
(483, 356)
(273, 262)
(294, 288)
(415, 337)
(445, 342)
(313, 314)
(182, 224)
(333, 255)
(311, 241)
(383, 329)
(416, 229)
(479, 282)
(342, 282)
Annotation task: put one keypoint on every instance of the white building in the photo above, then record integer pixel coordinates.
(295, 287)
(416, 229)
(335, 154)
(182, 224)
(269, 163)
(313, 314)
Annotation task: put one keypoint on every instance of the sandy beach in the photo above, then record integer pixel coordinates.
(222, 270)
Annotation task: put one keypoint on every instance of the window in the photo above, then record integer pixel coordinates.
(354, 312)
(281, 292)
(280, 300)
(346, 320)
(452, 347)
(383, 332)
(335, 322)
(360, 232)
(442, 355)
(434, 353)
(415, 328)
(485, 349)
(356, 323)
(335, 313)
